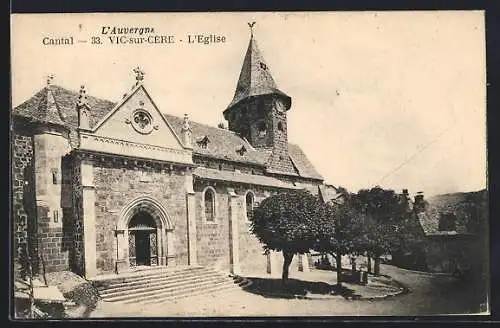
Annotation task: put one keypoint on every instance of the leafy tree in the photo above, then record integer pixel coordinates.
(388, 224)
(340, 233)
(288, 222)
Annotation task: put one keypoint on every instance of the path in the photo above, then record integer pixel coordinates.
(430, 295)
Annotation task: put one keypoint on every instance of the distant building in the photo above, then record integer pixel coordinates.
(451, 241)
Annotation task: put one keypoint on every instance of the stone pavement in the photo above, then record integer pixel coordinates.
(321, 284)
(253, 303)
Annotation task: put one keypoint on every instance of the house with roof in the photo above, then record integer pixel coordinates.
(451, 239)
(102, 187)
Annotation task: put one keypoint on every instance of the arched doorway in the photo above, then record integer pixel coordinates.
(143, 240)
(144, 235)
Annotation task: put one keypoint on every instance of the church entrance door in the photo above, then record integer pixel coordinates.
(143, 247)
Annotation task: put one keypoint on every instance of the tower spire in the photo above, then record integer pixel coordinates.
(255, 77)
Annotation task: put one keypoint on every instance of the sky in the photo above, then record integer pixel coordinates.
(395, 99)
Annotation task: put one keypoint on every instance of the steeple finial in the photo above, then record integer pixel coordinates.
(251, 27)
(185, 123)
(186, 132)
(50, 77)
(139, 74)
(82, 96)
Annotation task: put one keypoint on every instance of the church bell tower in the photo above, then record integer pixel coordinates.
(258, 109)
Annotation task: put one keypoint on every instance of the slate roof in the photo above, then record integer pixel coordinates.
(223, 144)
(223, 175)
(300, 161)
(44, 108)
(429, 223)
(329, 193)
(255, 77)
(65, 100)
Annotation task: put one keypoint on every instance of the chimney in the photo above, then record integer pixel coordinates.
(83, 108)
(186, 133)
(419, 204)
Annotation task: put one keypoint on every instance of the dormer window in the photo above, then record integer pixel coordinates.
(203, 143)
(242, 150)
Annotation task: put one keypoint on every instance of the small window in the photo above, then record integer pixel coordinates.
(209, 204)
(262, 128)
(249, 204)
(55, 177)
(280, 127)
(447, 222)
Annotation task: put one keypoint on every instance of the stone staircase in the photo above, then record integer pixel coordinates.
(162, 284)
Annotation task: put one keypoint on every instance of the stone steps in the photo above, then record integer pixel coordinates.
(140, 276)
(164, 277)
(162, 285)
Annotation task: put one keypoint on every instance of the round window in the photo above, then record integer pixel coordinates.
(142, 121)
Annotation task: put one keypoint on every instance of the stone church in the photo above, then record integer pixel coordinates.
(102, 187)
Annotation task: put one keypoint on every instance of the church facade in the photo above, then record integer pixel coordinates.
(102, 187)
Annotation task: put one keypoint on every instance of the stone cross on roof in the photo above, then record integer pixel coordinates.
(139, 74)
(82, 96)
(185, 123)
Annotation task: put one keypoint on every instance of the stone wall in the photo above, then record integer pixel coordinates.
(50, 146)
(447, 253)
(22, 182)
(251, 251)
(213, 237)
(77, 260)
(213, 240)
(118, 184)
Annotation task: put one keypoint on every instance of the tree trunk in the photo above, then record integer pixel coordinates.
(353, 264)
(338, 259)
(32, 293)
(369, 264)
(377, 266)
(287, 257)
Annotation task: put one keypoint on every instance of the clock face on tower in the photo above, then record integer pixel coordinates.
(280, 107)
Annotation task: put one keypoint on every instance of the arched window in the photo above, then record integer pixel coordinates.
(209, 204)
(249, 204)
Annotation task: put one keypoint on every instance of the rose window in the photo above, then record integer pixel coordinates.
(142, 121)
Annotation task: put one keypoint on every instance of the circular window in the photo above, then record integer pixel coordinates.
(142, 121)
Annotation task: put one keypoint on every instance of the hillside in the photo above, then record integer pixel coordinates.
(469, 208)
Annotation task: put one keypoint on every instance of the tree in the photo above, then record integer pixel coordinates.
(288, 222)
(341, 228)
(388, 223)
